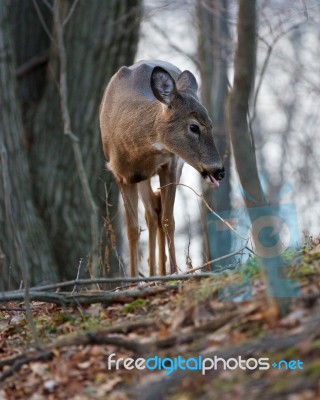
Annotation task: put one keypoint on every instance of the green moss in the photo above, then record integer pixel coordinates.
(51, 328)
(205, 289)
(91, 324)
(135, 305)
(315, 345)
(61, 318)
(305, 271)
(312, 370)
(291, 353)
(171, 283)
(251, 268)
(280, 385)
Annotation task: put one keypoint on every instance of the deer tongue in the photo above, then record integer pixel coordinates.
(212, 180)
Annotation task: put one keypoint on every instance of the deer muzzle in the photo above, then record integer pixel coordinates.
(214, 175)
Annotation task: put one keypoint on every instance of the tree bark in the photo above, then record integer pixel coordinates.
(19, 219)
(245, 158)
(99, 38)
(213, 49)
(244, 75)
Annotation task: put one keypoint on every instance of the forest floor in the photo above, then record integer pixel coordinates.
(247, 350)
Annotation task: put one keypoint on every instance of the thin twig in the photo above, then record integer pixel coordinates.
(266, 62)
(217, 259)
(23, 359)
(175, 47)
(100, 281)
(46, 2)
(78, 275)
(43, 23)
(208, 207)
(71, 11)
(67, 299)
(31, 64)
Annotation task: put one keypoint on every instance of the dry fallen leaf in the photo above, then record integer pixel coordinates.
(181, 316)
(117, 395)
(315, 250)
(293, 319)
(39, 368)
(105, 388)
(49, 385)
(94, 310)
(84, 365)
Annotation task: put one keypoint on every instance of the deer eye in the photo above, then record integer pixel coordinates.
(194, 128)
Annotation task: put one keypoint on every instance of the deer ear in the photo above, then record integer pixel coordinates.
(163, 85)
(187, 82)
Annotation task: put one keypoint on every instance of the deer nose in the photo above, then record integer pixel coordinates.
(219, 174)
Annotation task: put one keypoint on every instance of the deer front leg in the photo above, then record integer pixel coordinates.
(167, 175)
(130, 200)
(152, 206)
(161, 247)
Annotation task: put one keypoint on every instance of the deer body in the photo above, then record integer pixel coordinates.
(151, 123)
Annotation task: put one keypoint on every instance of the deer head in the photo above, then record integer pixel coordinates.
(184, 125)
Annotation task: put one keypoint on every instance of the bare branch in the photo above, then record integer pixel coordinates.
(46, 2)
(175, 47)
(209, 208)
(43, 23)
(100, 281)
(71, 11)
(67, 299)
(218, 259)
(31, 64)
(266, 62)
(78, 275)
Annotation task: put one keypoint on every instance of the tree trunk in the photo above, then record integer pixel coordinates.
(279, 290)
(213, 55)
(99, 38)
(20, 222)
(244, 75)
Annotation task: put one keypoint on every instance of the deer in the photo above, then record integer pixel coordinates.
(151, 123)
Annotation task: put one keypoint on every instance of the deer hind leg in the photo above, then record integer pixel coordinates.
(130, 200)
(152, 205)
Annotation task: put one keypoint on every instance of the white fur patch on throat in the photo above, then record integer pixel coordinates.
(159, 146)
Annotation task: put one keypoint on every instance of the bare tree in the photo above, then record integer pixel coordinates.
(244, 150)
(244, 75)
(99, 37)
(213, 50)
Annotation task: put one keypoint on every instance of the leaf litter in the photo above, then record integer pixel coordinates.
(188, 321)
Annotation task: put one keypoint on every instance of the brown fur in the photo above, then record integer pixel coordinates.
(146, 117)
